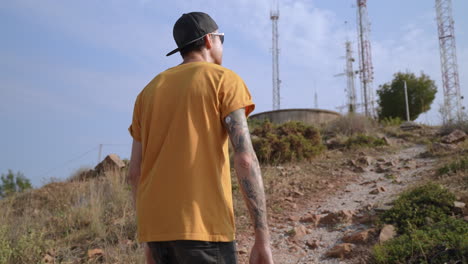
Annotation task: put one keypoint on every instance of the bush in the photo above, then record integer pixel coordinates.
(428, 232)
(413, 209)
(450, 127)
(13, 183)
(443, 242)
(351, 124)
(454, 167)
(391, 121)
(364, 141)
(292, 141)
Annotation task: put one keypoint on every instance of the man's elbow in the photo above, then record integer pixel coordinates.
(243, 161)
(133, 175)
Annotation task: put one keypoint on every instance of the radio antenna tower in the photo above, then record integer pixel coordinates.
(366, 70)
(274, 16)
(350, 88)
(349, 73)
(448, 60)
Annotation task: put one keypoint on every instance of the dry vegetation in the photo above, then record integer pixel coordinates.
(62, 221)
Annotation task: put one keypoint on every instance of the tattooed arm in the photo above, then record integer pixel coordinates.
(251, 183)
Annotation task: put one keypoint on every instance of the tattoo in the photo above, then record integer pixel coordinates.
(248, 169)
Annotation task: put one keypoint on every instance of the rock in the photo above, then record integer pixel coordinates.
(378, 190)
(407, 126)
(386, 140)
(110, 163)
(299, 232)
(242, 251)
(343, 216)
(48, 259)
(289, 199)
(441, 147)
(334, 143)
(388, 232)
(364, 161)
(459, 205)
(454, 137)
(95, 253)
(313, 244)
(294, 218)
(312, 218)
(359, 169)
(340, 251)
(381, 169)
(297, 193)
(358, 237)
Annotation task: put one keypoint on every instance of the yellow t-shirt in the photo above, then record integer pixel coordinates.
(184, 192)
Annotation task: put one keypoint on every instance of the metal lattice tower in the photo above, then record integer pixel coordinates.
(274, 16)
(366, 70)
(350, 88)
(448, 61)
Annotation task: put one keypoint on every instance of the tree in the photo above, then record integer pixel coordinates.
(12, 183)
(421, 94)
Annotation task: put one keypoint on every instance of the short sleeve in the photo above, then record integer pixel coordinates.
(233, 95)
(135, 127)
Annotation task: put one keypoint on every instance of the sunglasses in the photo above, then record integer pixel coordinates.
(221, 36)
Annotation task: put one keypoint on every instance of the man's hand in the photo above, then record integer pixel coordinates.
(261, 253)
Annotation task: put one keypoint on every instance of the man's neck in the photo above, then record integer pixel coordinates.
(197, 57)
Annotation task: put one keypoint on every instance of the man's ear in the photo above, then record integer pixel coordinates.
(208, 41)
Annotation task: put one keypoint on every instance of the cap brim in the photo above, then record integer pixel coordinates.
(172, 52)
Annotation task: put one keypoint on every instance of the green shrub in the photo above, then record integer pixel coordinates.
(391, 121)
(456, 166)
(451, 126)
(292, 141)
(443, 242)
(6, 251)
(428, 232)
(413, 209)
(362, 140)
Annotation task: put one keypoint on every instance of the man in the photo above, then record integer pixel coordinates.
(179, 168)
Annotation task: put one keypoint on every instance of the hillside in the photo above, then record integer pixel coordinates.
(315, 204)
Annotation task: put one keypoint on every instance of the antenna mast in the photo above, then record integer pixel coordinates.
(274, 16)
(448, 60)
(366, 70)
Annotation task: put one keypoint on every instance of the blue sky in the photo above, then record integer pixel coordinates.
(70, 70)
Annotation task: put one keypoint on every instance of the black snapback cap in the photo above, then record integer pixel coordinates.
(190, 28)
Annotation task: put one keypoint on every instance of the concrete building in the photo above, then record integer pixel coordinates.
(313, 117)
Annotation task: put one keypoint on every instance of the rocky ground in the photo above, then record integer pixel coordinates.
(336, 225)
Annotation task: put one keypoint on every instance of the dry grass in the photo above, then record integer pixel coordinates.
(351, 124)
(66, 219)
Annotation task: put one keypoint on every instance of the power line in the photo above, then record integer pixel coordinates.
(69, 161)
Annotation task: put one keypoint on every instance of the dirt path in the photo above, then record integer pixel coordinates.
(383, 176)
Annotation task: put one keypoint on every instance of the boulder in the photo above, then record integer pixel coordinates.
(313, 243)
(388, 232)
(340, 251)
(95, 253)
(299, 232)
(110, 163)
(343, 216)
(407, 126)
(454, 137)
(441, 147)
(361, 237)
(311, 218)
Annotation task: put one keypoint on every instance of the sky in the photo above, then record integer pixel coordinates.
(70, 70)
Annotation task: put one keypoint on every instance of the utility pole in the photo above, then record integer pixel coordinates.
(274, 16)
(448, 62)
(407, 105)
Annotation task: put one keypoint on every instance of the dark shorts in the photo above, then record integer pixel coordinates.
(193, 252)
